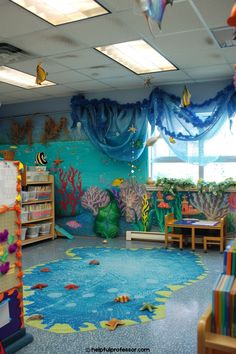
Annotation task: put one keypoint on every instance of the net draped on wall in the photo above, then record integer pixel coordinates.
(107, 123)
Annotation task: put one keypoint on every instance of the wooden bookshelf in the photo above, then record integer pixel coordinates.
(212, 343)
(51, 218)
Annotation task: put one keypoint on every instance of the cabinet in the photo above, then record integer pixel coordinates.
(37, 210)
(212, 343)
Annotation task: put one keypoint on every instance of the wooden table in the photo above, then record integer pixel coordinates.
(194, 226)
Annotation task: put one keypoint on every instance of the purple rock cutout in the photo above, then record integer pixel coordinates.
(4, 268)
(3, 236)
(12, 248)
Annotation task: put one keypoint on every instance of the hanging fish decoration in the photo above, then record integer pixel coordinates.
(186, 95)
(40, 159)
(231, 20)
(154, 9)
(41, 74)
(172, 140)
(151, 141)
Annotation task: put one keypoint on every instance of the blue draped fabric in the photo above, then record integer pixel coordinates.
(107, 123)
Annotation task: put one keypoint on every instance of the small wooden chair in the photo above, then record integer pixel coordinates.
(171, 236)
(216, 240)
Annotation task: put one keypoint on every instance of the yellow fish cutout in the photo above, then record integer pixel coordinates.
(41, 74)
(172, 140)
(186, 95)
(117, 182)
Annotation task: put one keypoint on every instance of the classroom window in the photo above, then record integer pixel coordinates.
(164, 163)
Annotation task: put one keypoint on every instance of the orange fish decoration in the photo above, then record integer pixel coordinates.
(45, 270)
(231, 20)
(122, 298)
(71, 287)
(39, 286)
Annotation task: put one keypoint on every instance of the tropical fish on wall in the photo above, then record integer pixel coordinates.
(40, 159)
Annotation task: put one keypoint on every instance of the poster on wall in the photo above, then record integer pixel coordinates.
(8, 177)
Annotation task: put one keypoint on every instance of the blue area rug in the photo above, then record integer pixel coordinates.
(145, 275)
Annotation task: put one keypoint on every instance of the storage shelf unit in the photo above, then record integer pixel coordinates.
(51, 218)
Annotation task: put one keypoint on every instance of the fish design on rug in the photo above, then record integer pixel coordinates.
(73, 224)
(113, 323)
(71, 287)
(35, 318)
(149, 307)
(94, 261)
(39, 286)
(122, 298)
(45, 270)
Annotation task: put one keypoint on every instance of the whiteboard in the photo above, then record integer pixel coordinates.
(8, 179)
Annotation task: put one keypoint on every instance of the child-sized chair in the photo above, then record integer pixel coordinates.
(170, 236)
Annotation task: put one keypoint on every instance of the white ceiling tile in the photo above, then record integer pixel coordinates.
(66, 77)
(14, 20)
(84, 58)
(89, 86)
(55, 90)
(46, 42)
(117, 5)
(105, 71)
(189, 49)
(29, 66)
(211, 72)
(107, 29)
(214, 12)
(167, 76)
(124, 81)
(4, 88)
(230, 54)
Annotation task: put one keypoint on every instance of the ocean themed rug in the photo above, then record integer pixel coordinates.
(93, 286)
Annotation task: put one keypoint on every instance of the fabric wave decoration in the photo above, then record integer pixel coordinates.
(107, 123)
(194, 125)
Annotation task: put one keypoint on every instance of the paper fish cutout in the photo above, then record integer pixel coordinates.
(40, 159)
(122, 298)
(231, 20)
(172, 140)
(117, 182)
(154, 9)
(41, 74)
(151, 141)
(35, 318)
(95, 262)
(45, 270)
(39, 286)
(71, 287)
(186, 95)
(73, 224)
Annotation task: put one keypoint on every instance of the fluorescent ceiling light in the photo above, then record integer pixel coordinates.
(58, 12)
(18, 78)
(137, 56)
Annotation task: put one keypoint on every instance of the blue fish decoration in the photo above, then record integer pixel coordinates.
(155, 9)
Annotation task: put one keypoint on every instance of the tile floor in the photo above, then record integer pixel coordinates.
(176, 334)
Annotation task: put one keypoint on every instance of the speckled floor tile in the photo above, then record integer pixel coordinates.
(175, 334)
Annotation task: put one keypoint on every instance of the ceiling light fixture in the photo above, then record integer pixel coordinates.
(138, 56)
(18, 78)
(60, 12)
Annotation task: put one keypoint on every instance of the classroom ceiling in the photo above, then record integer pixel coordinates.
(67, 51)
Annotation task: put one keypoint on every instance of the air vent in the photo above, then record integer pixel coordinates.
(225, 36)
(10, 54)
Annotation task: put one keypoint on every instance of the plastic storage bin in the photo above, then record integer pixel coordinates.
(29, 196)
(37, 176)
(32, 231)
(40, 214)
(45, 228)
(24, 216)
(22, 233)
(44, 195)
